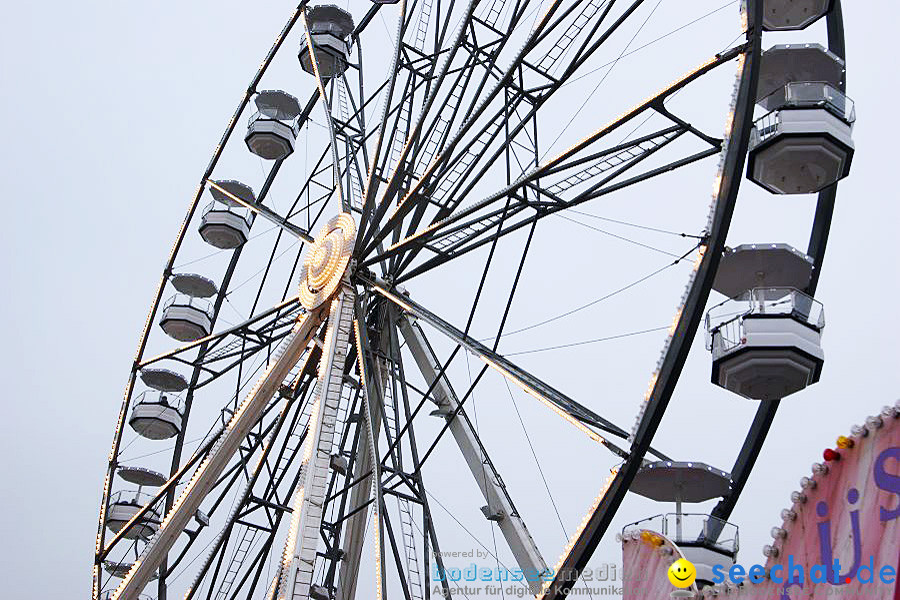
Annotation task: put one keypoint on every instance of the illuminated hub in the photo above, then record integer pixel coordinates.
(329, 28)
(226, 222)
(803, 144)
(785, 15)
(273, 128)
(326, 261)
(187, 316)
(766, 338)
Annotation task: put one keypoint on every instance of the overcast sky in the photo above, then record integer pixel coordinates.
(112, 111)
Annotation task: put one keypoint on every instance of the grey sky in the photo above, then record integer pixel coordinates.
(113, 109)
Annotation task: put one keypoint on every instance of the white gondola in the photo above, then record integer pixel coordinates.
(226, 227)
(187, 316)
(226, 223)
(329, 28)
(273, 129)
(785, 15)
(766, 338)
(187, 319)
(157, 415)
(704, 540)
(123, 506)
(804, 143)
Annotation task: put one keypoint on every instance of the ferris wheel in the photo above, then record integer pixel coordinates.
(285, 404)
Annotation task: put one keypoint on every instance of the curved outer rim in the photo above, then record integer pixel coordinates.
(129, 388)
(818, 241)
(596, 524)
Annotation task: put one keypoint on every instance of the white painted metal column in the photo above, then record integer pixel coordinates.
(366, 460)
(303, 537)
(510, 523)
(286, 356)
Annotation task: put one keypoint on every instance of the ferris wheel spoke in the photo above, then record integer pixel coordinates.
(158, 497)
(587, 537)
(574, 176)
(548, 38)
(327, 106)
(208, 472)
(478, 46)
(263, 328)
(500, 507)
(476, 233)
(575, 413)
(257, 439)
(382, 376)
(299, 558)
(468, 228)
(265, 212)
(265, 503)
(366, 475)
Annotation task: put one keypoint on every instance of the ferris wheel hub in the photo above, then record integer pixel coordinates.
(326, 261)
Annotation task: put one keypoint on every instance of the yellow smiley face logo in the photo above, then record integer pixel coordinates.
(682, 573)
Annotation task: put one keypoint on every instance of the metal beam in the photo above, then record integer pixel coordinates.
(265, 212)
(489, 482)
(445, 218)
(598, 520)
(577, 414)
(365, 466)
(299, 558)
(818, 241)
(205, 476)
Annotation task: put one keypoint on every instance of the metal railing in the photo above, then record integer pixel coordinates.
(812, 94)
(186, 301)
(799, 95)
(764, 128)
(259, 116)
(162, 399)
(692, 529)
(242, 212)
(135, 498)
(726, 318)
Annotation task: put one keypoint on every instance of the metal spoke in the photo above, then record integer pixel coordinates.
(587, 537)
(624, 156)
(575, 413)
(264, 211)
(211, 468)
(500, 506)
